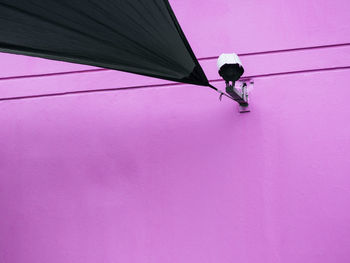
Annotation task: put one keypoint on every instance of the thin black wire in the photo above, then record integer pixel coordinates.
(220, 92)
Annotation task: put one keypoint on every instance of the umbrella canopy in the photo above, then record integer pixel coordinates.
(138, 36)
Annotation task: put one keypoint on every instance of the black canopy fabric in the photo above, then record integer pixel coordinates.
(138, 36)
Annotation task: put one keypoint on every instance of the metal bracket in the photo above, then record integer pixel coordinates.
(240, 94)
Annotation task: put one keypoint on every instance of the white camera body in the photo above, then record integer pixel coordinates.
(230, 67)
(228, 58)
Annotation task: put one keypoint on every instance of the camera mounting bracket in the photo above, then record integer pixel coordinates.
(240, 93)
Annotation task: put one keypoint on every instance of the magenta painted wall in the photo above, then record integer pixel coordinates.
(167, 173)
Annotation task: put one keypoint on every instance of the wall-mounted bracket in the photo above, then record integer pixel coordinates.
(239, 92)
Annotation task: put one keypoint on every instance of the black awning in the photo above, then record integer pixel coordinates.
(138, 36)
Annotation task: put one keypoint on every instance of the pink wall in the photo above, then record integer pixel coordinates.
(170, 174)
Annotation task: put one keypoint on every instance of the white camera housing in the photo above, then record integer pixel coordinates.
(228, 58)
(230, 67)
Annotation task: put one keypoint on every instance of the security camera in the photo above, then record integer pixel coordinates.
(230, 67)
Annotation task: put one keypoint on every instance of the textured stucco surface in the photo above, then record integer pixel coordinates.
(169, 174)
